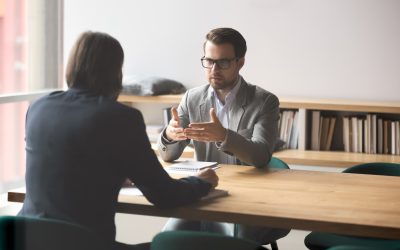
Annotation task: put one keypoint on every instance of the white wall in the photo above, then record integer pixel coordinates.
(306, 48)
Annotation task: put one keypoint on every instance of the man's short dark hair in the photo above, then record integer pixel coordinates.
(230, 36)
(95, 63)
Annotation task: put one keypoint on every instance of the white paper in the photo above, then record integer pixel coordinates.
(134, 191)
(190, 166)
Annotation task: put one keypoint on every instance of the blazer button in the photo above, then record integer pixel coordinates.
(164, 148)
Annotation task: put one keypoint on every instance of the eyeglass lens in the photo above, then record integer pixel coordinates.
(222, 63)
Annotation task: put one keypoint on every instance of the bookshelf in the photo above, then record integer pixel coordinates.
(303, 155)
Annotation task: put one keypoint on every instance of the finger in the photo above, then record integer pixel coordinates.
(194, 132)
(178, 130)
(201, 125)
(174, 124)
(199, 138)
(174, 114)
(213, 115)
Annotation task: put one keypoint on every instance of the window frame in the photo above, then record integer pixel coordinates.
(45, 55)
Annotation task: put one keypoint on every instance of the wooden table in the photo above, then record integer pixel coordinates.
(354, 204)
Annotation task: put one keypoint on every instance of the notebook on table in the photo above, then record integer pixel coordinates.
(134, 191)
(190, 166)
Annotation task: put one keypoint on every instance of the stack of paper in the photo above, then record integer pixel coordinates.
(214, 193)
(190, 166)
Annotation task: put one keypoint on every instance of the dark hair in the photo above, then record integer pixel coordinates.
(95, 63)
(230, 36)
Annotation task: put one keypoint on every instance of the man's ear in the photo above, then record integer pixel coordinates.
(241, 62)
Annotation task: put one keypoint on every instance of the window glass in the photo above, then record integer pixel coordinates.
(30, 60)
(12, 145)
(13, 44)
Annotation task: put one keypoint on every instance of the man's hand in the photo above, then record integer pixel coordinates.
(174, 131)
(212, 131)
(210, 176)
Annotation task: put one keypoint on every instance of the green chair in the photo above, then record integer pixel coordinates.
(319, 240)
(277, 163)
(28, 233)
(375, 168)
(359, 248)
(183, 240)
(274, 163)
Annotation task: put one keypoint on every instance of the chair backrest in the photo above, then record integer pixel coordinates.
(277, 163)
(375, 168)
(363, 248)
(183, 240)
(28, 233)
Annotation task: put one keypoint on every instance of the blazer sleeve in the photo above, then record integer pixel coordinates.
(258, 150)
(143, 168)
(170, 151)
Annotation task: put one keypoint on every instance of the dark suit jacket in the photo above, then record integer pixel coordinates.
(80, 148)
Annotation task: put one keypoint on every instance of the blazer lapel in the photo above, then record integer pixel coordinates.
(238, 107)
(205, 106)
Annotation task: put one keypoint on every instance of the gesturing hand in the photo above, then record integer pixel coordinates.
(174, 131)
(209, 175)
(212, 131)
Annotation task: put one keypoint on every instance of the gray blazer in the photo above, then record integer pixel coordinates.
(252, 132)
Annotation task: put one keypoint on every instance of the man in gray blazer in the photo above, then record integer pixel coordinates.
(228, 120)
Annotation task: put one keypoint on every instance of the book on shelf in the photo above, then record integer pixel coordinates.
(354, 134)
(368, 149)
(346, 133)
(324, 132)
(393, 137)
(283, 125)
(315, 127)
(397, 137)
(386, 136)
(332, 122)
(373, 134)
(370, 134)
(288, 128)
(294, 137)
(380, 136)
(360, 135)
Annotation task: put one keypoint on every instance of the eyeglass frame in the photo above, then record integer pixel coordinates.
(217, 62)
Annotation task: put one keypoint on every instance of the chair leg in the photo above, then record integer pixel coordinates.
(274, 245)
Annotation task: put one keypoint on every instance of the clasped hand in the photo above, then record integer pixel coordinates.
(211, 131)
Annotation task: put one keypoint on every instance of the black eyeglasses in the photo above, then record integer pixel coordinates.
(221, 63)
